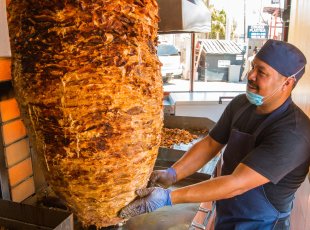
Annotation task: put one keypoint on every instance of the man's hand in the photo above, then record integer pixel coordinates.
(149, 200)
(163, 178)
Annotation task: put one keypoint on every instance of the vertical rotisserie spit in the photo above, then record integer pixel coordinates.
(88, 82)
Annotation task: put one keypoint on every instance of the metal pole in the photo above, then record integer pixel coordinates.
(244, 19)
(287, 8)
(191, 87)
(275, 24)
(228, 27)
(270, 26)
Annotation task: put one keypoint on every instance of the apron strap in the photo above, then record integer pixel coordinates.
(240, 112)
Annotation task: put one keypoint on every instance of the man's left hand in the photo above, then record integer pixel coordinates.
(149, 200)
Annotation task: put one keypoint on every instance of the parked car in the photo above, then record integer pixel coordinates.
(170, 58)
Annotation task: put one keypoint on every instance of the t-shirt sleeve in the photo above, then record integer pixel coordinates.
(278, 154)
(221, 130)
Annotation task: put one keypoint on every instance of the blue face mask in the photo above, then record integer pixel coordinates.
(258, 100)
(254, 98)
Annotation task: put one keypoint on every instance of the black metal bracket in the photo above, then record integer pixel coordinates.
(224, 98)
(6, 93)
(4, 177)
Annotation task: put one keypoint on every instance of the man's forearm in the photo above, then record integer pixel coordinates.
(196, 157)
(211, 190)
(241, 180)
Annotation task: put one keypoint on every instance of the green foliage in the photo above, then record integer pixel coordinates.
(218, 23)
(233, 30)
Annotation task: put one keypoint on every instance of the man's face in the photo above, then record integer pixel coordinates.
(263, 79)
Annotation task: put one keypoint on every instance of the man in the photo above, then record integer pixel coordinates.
(267, 155)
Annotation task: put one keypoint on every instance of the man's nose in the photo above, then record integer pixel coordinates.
(252, 75)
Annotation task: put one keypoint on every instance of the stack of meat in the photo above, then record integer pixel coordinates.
(88, 82)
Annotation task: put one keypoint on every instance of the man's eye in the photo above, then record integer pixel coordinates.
(261, 72)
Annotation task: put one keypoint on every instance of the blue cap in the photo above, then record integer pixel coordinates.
(284, 57)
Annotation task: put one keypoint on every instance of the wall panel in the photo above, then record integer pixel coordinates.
(299, 34)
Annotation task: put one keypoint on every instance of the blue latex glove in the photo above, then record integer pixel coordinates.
(163, 178)
(149, 200)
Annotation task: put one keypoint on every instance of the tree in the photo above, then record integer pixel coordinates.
(218, 22)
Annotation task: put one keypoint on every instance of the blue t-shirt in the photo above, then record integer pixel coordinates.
(281, 152)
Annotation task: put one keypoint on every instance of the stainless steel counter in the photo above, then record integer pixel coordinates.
(201, 104)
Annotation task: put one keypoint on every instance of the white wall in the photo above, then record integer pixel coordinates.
(299, 34)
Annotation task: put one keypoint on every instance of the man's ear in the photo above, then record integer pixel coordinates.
(290, 82)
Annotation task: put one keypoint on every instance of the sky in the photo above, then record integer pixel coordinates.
(235, 10)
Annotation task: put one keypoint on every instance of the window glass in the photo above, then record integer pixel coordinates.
(166, 50)
(215, 62)
(174, 53)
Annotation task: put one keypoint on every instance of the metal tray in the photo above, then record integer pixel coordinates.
(26, 217)
(168, 156)
(188, 123)
(195, 125)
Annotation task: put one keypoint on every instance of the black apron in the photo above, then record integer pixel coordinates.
(252, 209)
